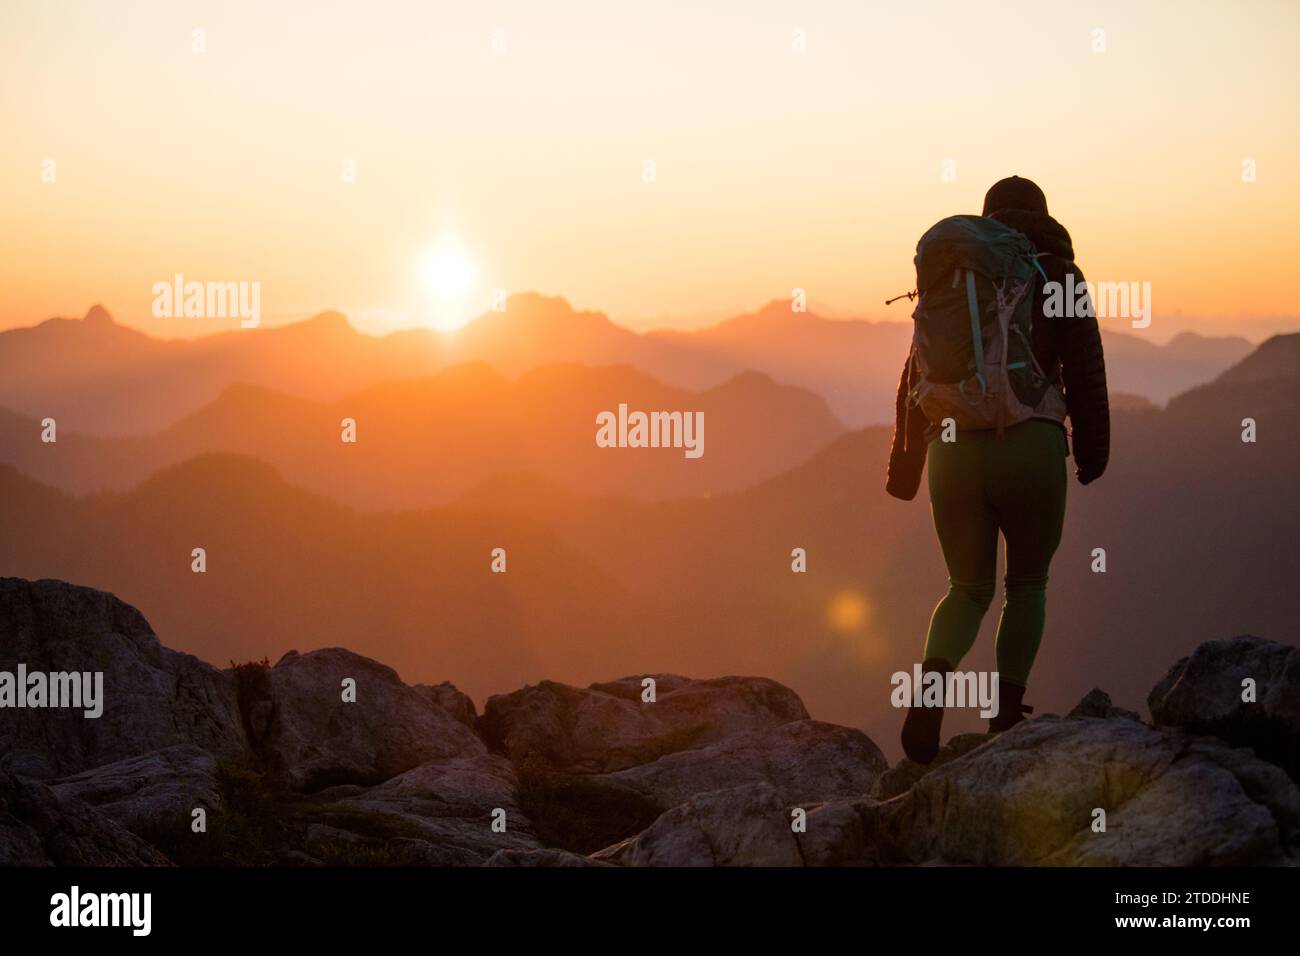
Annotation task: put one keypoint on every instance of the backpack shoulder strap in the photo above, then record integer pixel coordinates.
(976, 335)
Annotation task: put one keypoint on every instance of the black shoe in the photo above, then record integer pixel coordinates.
(921, 728)
(1011, 710)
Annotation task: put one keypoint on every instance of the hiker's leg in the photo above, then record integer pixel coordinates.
(1027, 485)
(968, 534)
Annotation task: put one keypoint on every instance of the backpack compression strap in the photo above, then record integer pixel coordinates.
(977, 337)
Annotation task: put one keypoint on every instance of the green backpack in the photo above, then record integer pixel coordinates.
(972, 358)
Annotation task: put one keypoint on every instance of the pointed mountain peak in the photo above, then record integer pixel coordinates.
(98, 315)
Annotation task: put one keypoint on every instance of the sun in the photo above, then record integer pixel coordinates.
(448, 272)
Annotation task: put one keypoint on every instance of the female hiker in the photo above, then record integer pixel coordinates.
(1008, 478)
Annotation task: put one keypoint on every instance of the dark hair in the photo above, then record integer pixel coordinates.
(1015, 193)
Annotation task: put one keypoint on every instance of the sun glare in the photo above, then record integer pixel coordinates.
(449, 273)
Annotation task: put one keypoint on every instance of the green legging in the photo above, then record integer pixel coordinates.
(980, 484)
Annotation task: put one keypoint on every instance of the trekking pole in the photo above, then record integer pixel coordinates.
(906, 295)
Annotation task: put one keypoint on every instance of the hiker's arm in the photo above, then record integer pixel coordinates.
(907, 453)
(1083, 372)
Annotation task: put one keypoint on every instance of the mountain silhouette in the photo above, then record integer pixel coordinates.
(424, 441)
(1276, 358)
(1197, 526)
(1264, 386)
(280, 558)
(854, 364)
(1158, 372)
(98, 377)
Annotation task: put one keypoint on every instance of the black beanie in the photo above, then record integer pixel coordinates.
(1015, 193)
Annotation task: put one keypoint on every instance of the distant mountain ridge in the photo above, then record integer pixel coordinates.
(1276, 357)
(98, 377)
(1159, 372)
(1188, 514)
(424, 441)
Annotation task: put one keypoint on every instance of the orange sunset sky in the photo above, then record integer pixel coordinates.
(774, 169)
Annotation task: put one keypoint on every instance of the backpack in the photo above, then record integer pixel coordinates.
(972, 357)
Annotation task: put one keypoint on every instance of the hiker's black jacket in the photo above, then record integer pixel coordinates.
(1067, 347)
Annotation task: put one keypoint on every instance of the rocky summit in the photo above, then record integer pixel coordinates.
(329, 758)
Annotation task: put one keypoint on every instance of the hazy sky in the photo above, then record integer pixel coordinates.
(774, 169)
